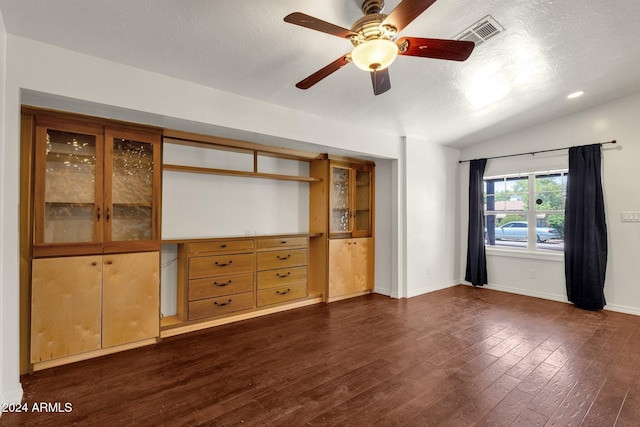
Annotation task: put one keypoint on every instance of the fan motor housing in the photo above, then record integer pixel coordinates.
(372, 6)
(370, 27)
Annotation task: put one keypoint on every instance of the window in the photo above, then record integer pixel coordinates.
(526, 211)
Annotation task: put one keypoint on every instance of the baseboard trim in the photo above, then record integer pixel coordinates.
(384, 291)
(12, 396)
(230, 319)
(428, 289)
(91, 354)
(559, 298)
(353, 295)
(622, 309)
(525, 292)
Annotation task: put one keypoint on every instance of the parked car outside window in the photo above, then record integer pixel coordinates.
(517, 230)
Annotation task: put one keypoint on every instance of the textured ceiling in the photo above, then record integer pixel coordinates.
(517, 79)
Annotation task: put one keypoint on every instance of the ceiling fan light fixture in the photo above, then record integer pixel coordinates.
(374, 55)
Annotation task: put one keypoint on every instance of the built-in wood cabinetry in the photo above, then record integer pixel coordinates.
(96, 188)
(130, 298)
(91, 236)
(351, 247)
(85, 303)
(351, 211)
(220, 277)
(226, 276)
(66, 308)
(351, 267)
(95, 224)
(281, 270)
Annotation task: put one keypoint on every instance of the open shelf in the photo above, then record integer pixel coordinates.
(194, 169)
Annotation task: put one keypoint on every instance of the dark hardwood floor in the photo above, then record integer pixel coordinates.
(456, 357)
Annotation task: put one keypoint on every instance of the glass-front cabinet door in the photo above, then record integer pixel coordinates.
(340, 200)
(68, 187)
(96, 189)
(350, 201)
(362, 203)
(132, 166)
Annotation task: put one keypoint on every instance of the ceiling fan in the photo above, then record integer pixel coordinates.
(376, 47)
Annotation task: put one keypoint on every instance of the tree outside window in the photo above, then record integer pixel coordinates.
(526, 211)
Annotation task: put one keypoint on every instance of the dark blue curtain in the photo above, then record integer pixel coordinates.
(585, 234)
(476, 272)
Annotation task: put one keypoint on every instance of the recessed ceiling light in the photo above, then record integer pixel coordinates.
(575, 94)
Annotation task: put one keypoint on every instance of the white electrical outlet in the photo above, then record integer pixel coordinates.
(532, 273)
(630, 216)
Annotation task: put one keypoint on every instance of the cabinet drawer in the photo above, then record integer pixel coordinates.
(281, 294)
(218, 265)
(222, 305)
(221, 246)
(283, 242)
(281, 259)
(281, 277)
(220, 285)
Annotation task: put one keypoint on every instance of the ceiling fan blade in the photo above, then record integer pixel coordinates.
(380, 80)
(406, 12)
(454, 50)
(307, 21)
(323, 72)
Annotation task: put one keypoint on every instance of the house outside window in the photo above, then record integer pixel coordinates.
(526, 211)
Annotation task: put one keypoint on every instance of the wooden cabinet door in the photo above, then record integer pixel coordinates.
(65, 306)
(351, 200)
(340, 273)
(350, 266)
(130, 304)
(340, 202)
(131, 190)
(362, 202)
(361, 264)
(68, 214)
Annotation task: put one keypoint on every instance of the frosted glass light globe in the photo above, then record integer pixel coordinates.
(374, 54)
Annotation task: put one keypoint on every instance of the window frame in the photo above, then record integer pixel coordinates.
(531, 214)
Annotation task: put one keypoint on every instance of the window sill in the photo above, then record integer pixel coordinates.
(510, 253)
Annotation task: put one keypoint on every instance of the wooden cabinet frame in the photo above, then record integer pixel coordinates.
(104, 135)
(33, 164)
(353, 169)
(153, 244)
(40, 248)
(35, 123)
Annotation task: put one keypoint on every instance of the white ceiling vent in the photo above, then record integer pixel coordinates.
(481, 31)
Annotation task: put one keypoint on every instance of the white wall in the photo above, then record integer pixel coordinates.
(431, 216)
(10, 391)
(384, 280)
(221, 205)
(615, 120)
(34, 67)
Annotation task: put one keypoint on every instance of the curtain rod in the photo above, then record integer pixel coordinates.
(533, 153)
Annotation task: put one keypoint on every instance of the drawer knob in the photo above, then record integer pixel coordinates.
(227, 283)
(281, 293)
(283, 257)
(223, 264)
(284, 242)
(220, 304)
(223, 246)
(283, 275)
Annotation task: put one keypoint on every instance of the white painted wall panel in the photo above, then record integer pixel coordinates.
(202, 205)
(432, 221)
(621, 174)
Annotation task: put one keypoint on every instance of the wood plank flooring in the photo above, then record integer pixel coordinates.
(457, 357)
